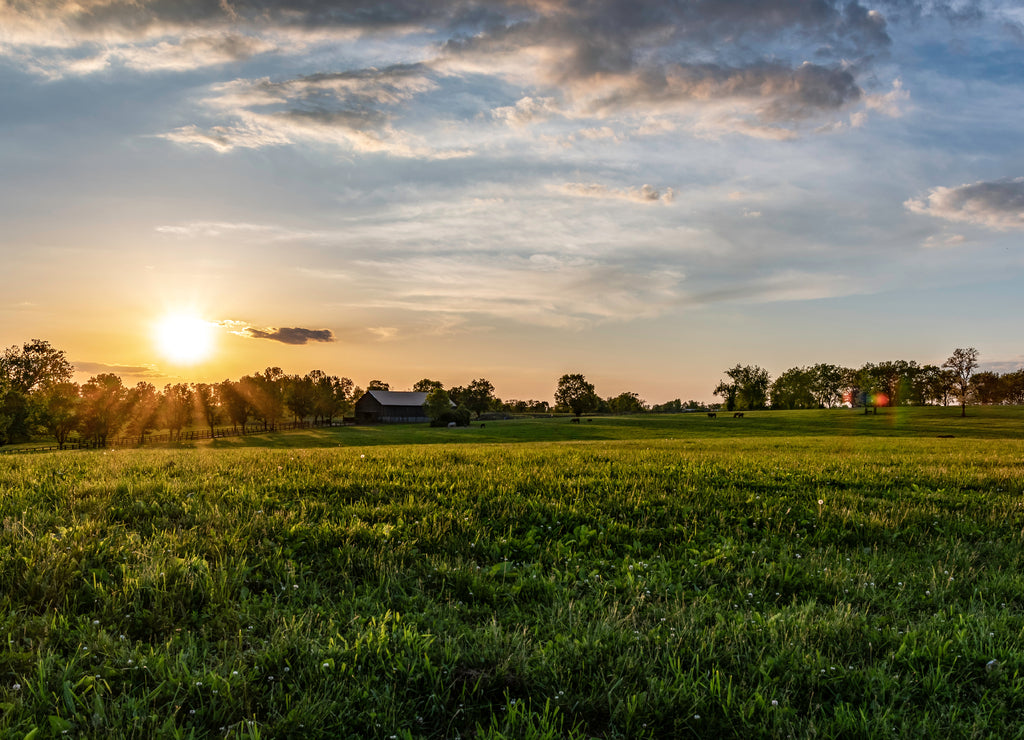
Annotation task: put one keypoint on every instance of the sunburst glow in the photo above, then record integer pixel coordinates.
(184, 339)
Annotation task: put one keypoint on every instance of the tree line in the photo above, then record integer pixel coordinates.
(37, 396)
(890, 383)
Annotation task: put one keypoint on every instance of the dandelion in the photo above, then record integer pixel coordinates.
(95, 623)
(16, 687)
(775, 702)
(821, 502)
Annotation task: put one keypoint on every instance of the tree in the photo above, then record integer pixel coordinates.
(478, 396)
(829, 384)
(332, 395)
(426, 385)
(265, 393)
(748, 390)
(58, 408)
(176, 408)
(438, 406)
(627, 402)
(988, 388)
(24, 370)
(576, 394)
(378, 385)
(234, 402)
(34, 365)
(105, 405)
(794, 389)
(145, 410)
(963, 362)
(300, 396)
(207, 404)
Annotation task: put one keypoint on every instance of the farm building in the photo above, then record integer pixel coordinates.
(391, 407)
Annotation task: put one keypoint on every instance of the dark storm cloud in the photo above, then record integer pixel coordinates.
(998, 204)
(289, 335)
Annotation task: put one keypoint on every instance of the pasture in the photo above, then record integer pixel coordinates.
(787, 574)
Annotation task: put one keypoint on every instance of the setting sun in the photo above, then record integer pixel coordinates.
(184, 339)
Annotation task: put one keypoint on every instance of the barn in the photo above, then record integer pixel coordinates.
(391, 407)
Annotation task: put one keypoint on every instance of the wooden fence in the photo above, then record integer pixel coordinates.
(191, 435)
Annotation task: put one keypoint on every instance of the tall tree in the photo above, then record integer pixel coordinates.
(749, 387)
(207, 404)
(235, 403)
(105, 406)
(963, 362)
(300, 396)
(176, 408)
(378, 385)
(988, 388)
(58, 407)
(477, 396)
(145, 410)
(794, 389)
(23, 370)
(576, 394)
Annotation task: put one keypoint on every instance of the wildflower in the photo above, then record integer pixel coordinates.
(16, 687)
(95, 623)
(775, 702)
(821, 502)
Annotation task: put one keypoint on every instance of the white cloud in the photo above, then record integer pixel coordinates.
(998, 204)
(643, 194)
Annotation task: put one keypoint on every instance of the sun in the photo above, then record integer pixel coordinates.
(184, 339)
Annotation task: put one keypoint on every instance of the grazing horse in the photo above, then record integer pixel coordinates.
(738, 415)
(712, 415)
(574, 421)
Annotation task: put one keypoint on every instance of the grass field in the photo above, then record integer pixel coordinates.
(788, 574)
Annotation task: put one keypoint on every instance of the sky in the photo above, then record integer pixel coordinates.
(647, 193)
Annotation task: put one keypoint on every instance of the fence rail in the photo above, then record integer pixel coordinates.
(192, 435)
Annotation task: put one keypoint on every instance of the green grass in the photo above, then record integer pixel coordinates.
(638, 577)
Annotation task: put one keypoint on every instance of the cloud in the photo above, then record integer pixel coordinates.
(526, 110)
(937, 241)
(544, 289)
(643, 194)
(737, 67)
(354, 109)
(285, 335)
(998, 204)
(135, 371)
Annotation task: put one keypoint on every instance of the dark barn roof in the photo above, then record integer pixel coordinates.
(391, 407)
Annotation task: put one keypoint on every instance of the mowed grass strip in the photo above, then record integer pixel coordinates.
(757, 585)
